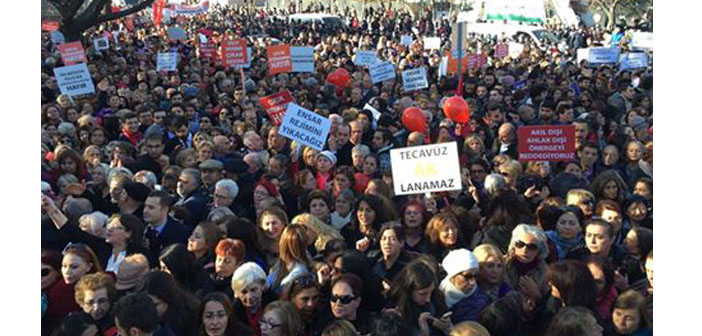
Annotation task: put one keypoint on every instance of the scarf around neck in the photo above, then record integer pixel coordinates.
(453, 294)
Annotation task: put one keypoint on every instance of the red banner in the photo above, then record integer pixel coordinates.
(279, 59)
(546, 143)
(158, 11)
(234, 52)
(49, 26)
(276, 104)
(72, 53)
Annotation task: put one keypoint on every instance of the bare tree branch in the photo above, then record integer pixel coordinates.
(125, 12)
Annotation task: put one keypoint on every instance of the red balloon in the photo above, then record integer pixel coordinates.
(339, 77)
(456, 109)
(414, 120)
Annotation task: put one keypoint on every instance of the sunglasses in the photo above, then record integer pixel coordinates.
(520, 244)
(346, 299)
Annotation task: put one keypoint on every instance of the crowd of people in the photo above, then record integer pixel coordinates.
(172, 205)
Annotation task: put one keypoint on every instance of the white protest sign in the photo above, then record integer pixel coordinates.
(57, 37)
(642, 40)
(633, 60)
(101, 43)
(302, 59)
(376, 113)
(74, 80)
(432, 43)
(422, 169)
(443, 66)
(406, 40)
(305, 127)
(381, 72)
(365, 57)
(599, 55)
(515, 49)
(167, 61)
(415, 79)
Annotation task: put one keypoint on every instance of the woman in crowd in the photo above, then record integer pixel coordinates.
(363, 233)
(525, 268)
(202, 243)
(464, 298)
(603, 273)
(574, 321)
(340, 328)
(416, 296)
(572, 284)
(59, 293)
(179, 263)
(177, 309)
(582, 199)
(491, 271)
(393, 255)
(609, 185)
(318, 233)
(345, 301)
(442, 235)
(343, 208)
(568, 231)
(281, 319)
(629, 315)
(294, 259)
(230, 254)
(319, 205)
(414, 219)
(217, 315)
(251, 295)
(271, 223)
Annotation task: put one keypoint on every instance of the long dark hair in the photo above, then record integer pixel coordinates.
(234, 327)
(180, 263)
(135, 226)
(416, 275)
(354, 262)
(574, 282)
(182, 306)
(376, 203)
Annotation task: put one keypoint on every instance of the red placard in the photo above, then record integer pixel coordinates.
(453, 63)
(49, 26)
(276, 105)
(72, 53)
(546, 143)
(279, 59)
(234, 52)
(207, 50)
(501, 50)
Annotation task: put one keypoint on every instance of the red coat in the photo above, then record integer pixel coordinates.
(61, 302)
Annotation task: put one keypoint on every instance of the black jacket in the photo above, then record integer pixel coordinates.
(196, 203)
(173, 232)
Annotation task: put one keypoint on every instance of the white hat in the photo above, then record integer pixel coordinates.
(329, 155)
(458, 261)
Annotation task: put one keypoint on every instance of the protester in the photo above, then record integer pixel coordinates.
(198, 178)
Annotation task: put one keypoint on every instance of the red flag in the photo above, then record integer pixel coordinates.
(158, 11)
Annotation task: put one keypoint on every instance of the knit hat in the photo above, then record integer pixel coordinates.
(131, 270)
(137, 191)
(638, 122)
(250, 85)
(458, 261)
(329, 155)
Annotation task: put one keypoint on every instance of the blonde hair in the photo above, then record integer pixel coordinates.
(485, 251)
(576, 196)
(514, 168)
(469, 328)
(293, 245)
(323, 232)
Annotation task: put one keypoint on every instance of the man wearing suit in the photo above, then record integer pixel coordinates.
(191, 196)
(162, 229)
(506, 141)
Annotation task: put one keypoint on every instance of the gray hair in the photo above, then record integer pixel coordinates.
(525, 229)
(146, 177)
(247, 274)
(494, 183)
(218, 215)
(95, 217)
(363, 149)
(194, 173)
(66, 128)
(230, 185)
(335, 117)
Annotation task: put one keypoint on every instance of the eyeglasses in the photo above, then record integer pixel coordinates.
(45, 271)
(346, 299)
(520, 244)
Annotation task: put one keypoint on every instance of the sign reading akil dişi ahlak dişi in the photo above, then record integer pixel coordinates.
(423, 169)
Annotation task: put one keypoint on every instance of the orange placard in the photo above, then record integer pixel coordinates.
(453, 63)
(279, 59)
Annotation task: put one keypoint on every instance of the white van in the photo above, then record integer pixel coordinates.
(540, 35)
(328, 20)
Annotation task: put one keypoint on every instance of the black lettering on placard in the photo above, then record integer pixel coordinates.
(428, 185)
